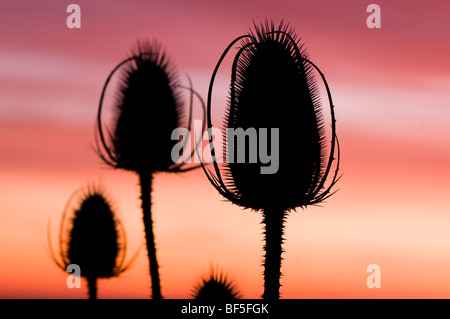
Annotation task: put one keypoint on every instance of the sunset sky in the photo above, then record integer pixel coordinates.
(391, 90)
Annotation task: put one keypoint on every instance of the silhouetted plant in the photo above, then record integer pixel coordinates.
(215, 287)
(95, 240)
(273, 86)
(148, 108)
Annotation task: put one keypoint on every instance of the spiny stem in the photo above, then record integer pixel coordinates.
(274, 229)
(146, 189)
(92, 286)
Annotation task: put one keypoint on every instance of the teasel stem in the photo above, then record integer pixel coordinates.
(92, 287)
(145, 180)
(273, 221)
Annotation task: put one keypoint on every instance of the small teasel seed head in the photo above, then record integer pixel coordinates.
(215, 287)
(92, 237)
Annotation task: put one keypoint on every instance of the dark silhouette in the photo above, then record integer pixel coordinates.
(95, 240)
(273, 86)
(216, 287)
(147, 108)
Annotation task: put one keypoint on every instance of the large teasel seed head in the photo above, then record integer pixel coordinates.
(273, 91)
(273, 86)
(147, 109)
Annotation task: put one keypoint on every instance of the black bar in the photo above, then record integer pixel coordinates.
(246, 308)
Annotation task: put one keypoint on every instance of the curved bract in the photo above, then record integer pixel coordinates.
(273, 87)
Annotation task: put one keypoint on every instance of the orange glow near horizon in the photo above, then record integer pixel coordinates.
(390, 89)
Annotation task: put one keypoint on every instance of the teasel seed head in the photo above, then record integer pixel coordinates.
(148, 107)
(215, 287)
(273, 86)
(91, 236)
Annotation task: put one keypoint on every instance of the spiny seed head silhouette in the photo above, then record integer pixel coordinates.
(95, 240)
(147, 109)
(273, 86)
(215, 287)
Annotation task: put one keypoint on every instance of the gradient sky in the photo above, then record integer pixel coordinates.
(390, 87)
